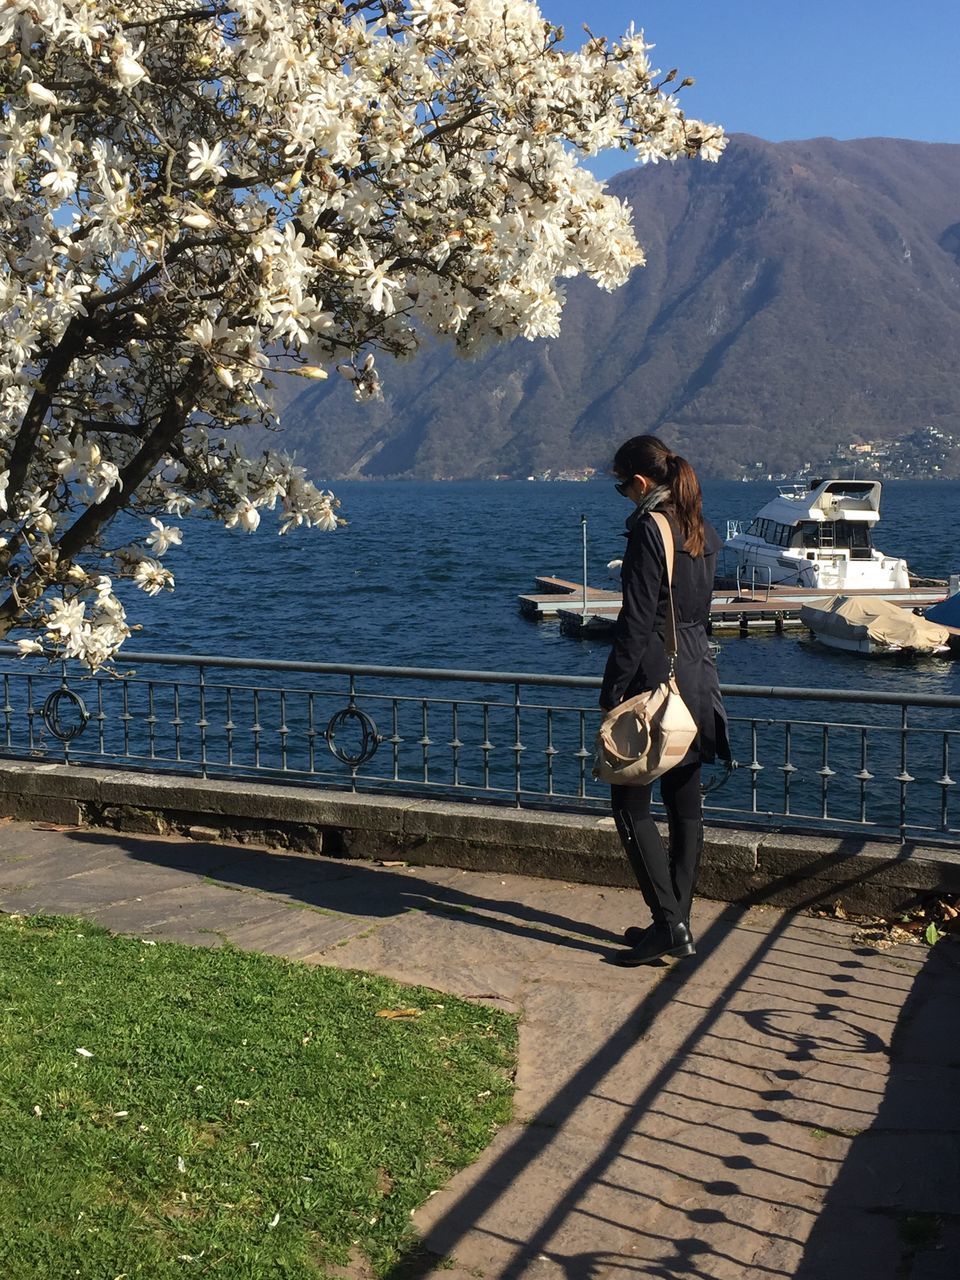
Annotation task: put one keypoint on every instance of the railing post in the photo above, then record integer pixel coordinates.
(788, 767)
(863, 777)
(395, 738)
(256, 728)
(486, 746)
(229, 727)
(311, 734)
(549, 751)
(583, 755)
(283, 730)
(64, 742)
(455, 744)
(904, 777)
(352, 702)
(7, 711)
(177, 724)
(126, 716)
(426, 742)
(945, 782)
(518, 747)
(825, 772)
(202, 722)
(151, 722)
(101, 717)
(31, 715)
(755, 767)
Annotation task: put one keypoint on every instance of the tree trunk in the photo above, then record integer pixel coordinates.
(172, 422)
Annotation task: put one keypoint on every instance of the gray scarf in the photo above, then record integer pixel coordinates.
(654, 498)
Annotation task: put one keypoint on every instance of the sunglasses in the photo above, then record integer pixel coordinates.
(622, 486)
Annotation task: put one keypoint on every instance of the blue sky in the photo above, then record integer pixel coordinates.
(797, 68)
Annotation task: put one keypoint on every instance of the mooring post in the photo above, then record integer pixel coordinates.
(583, 540)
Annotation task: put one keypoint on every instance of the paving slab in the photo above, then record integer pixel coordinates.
(214, 910)
(305, 936)
(779, 1106)
(24, 869)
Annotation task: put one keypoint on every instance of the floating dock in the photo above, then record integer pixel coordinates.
(592, 611)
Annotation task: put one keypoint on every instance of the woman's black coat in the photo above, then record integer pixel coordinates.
(638, 658)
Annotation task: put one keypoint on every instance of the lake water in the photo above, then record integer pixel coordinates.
(429, 574)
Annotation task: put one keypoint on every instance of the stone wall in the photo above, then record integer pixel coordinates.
(748, 866)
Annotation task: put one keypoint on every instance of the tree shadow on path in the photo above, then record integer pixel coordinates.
(894, 1208)
(689, 1181)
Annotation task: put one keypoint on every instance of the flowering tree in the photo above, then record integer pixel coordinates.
(195, 193)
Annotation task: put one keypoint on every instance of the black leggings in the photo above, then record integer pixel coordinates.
(666, 875)
(679, 791)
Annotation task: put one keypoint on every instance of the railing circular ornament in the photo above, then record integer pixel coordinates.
(369, 737)
(52, 711)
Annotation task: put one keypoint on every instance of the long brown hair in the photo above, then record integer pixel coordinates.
(649, 456)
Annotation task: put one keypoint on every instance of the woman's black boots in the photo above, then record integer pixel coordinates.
(658, 942)
(669, 935)
(686, 850)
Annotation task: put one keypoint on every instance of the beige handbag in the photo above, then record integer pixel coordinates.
(651, 733)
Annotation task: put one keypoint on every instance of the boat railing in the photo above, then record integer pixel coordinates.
(734, 528)
(759, 580)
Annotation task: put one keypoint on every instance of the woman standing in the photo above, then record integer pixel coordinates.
(655, 479)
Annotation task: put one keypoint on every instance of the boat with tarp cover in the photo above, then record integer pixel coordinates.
(871, 626)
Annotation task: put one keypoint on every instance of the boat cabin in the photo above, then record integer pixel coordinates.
(815, 535)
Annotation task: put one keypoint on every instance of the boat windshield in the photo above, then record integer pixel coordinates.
(852, 488)
(846, 535)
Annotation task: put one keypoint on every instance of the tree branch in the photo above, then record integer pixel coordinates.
(450, 125)
(49, 381)
(185, 15)
(125, 291)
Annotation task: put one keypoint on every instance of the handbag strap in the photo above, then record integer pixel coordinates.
(670, 631)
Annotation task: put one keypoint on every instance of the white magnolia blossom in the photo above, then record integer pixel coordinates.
(151, 576)
(164, 537)
(246, 516)
(193, 197)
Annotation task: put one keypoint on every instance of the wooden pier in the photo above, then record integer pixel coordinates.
(592, 612)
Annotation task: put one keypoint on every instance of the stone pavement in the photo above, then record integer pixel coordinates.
(785, 1105)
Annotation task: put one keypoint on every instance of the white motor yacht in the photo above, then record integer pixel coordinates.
(816, 535)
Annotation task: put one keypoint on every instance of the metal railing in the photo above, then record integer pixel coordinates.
(880, 765)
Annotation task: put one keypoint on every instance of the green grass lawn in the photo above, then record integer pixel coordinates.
(237, 1116)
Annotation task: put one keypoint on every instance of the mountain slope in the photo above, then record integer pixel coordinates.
(796, 294)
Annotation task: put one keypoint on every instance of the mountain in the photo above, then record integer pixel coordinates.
(797, 295)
